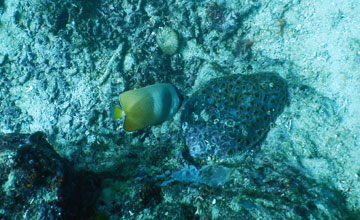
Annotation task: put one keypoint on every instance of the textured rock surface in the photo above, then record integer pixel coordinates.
(232, 113)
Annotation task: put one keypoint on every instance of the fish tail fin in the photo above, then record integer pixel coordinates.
(117, 112)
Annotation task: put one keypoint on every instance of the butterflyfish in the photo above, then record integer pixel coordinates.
(148, 106)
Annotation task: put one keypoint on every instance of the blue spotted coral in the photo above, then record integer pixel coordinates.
(232, 113)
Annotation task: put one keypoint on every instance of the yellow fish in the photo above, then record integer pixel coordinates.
(148, 106)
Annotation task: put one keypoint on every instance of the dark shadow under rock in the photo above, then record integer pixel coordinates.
(38, 183)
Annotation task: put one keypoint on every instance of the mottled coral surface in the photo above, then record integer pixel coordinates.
(232, 113)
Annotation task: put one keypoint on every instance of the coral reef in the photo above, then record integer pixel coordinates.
(63, 65)
(232, 113)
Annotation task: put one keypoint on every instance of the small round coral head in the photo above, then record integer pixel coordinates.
(148, 106)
